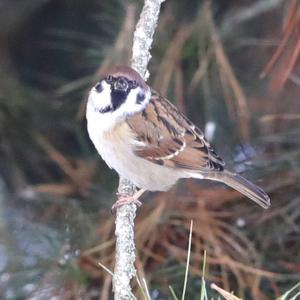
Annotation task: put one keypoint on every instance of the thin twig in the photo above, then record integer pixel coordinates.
(125, 215)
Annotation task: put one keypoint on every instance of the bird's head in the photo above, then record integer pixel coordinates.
(121, 93)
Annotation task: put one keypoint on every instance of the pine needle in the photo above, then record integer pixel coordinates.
(287, 295)
(105, 268)
(203, 295)
(173, 293)
(187, 261)
(146, 295)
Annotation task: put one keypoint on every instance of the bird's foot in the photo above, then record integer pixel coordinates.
(124, 200)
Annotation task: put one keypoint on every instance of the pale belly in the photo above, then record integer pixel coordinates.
(115, 149)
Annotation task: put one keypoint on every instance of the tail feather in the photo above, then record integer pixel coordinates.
(243, 186)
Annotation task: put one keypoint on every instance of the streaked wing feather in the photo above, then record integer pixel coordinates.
(167, 137)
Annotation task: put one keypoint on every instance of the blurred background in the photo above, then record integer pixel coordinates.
(231, 66)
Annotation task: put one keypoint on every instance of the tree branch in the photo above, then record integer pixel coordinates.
(125, 215)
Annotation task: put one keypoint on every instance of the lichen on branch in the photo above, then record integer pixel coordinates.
(125, 246)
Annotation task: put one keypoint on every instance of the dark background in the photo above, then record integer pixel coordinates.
(230, 65)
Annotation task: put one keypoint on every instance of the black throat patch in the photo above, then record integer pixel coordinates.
(118, 98)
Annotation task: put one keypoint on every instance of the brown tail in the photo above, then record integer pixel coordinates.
(244, 186)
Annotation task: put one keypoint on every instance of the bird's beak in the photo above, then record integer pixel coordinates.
(121, 85)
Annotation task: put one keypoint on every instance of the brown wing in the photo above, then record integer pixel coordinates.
(168, 138)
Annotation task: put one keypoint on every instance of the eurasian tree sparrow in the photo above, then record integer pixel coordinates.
(147, 140)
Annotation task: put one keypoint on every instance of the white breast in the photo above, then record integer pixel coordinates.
(116, 149)
(115, 142)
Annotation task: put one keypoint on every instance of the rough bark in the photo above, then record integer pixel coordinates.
(125, 215)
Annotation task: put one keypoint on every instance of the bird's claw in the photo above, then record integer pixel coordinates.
(124, 200)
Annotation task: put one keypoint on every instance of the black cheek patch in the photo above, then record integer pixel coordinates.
(140, 97)
(105, 109)
(99, 87)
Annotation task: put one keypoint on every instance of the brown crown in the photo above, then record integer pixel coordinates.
(127, 72)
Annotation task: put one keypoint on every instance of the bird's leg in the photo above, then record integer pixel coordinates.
(123, 200)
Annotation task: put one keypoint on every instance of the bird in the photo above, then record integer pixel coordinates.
(147, 140)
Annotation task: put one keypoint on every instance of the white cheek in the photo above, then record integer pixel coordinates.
(102, 99)
(98, 122)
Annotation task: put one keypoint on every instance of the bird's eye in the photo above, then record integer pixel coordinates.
(99, 87)
(109, 79)
(140, 97)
